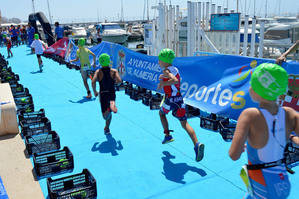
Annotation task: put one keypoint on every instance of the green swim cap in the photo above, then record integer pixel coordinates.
(104, 59)
(36, 36)
(81, 42)
(167, 55)
(269, 81)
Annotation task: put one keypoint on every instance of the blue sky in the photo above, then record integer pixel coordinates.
(86, 10)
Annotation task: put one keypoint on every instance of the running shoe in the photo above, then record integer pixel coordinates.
(167, 139)
(199, 151)
(88, 95)
(106, 131)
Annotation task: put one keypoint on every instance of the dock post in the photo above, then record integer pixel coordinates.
(245, 40)
(261, 43)
(252, 43)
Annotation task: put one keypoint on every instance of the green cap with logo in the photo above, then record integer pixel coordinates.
(269, 81)
(166, 55)
(104, 59)
(36, 36)
(81, 42)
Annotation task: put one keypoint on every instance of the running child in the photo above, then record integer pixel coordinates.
(83, 55)
(38, 46)
(266, 131)
(106, 77)
(170, 83)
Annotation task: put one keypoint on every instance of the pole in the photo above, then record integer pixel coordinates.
(279, 7)
(261, 44)
(122, 11)
(50, 17)
(147, 11)
(237, 6)
(266, 8)
(33, 7)
(254, 7)
(144, 7)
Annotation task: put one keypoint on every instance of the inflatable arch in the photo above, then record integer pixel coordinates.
(45, 25)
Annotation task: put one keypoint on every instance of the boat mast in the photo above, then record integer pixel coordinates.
(122, 11)
(147, 10)
(50, 17)
(144, 7)
(33, 7)
(279, 7)
(254, 7)
(266, 8)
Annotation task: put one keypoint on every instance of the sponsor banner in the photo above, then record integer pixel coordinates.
(58, 48)
(214, 83)
(71, 52)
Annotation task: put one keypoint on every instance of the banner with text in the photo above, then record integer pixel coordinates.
(214, 83)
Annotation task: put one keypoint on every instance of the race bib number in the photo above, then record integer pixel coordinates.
(86, 67)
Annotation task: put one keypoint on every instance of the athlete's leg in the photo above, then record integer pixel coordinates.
(164, 121)
(190, 131)
(113, 107)
(198, 147)
(112, 98)
(84, 78)
(40, 62)
(108, 117)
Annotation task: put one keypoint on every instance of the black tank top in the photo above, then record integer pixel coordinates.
(107, 83)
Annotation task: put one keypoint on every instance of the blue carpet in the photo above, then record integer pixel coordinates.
(132, 163)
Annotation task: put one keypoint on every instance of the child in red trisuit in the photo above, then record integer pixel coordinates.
(8, 45)
(170, 83)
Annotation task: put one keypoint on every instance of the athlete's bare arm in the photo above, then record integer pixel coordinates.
(116, 76)
(292, 123)
(282, 58)
(241, 134)
(74, 60)
(94, 58)
(94, 81)
(171, 79)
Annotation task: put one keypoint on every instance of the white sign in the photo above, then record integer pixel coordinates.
(148, 35)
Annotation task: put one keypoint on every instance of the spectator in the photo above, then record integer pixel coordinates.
(58, 31)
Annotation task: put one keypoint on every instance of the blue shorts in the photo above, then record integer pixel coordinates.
(176, 105)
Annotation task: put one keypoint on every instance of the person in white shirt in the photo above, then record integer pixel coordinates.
(39, 47)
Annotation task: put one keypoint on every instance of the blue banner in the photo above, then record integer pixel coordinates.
(3, 194)
(214, 83)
